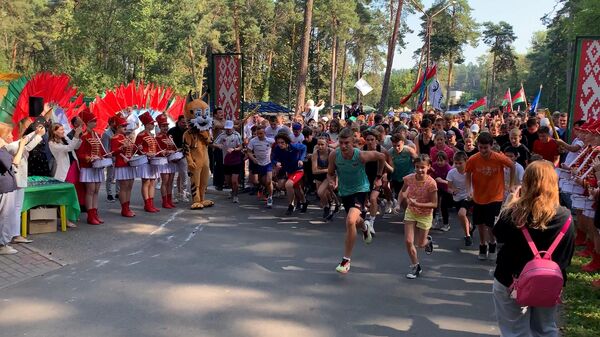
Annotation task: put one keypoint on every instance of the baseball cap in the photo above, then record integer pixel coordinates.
(450, 133)
(228, 124)
(474, 128)
(404, 115)
(296, 126)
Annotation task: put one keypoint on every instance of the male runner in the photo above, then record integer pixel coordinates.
(353, 185)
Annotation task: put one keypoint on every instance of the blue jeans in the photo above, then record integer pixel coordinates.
(515, 321)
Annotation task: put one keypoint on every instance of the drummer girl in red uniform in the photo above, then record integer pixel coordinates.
(167, 171)
(90, 150)
(123, 149)
(148, 146)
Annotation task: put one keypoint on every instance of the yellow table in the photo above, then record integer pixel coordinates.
(63, 220)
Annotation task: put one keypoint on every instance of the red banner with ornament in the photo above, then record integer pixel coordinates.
(585, 89)
(227, 81)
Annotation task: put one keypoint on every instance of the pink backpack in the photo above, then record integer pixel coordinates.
(541, 280)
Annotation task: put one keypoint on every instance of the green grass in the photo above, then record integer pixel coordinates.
(581, 310)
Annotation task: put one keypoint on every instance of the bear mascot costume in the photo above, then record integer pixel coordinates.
(195, 147)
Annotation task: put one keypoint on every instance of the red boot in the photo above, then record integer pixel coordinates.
(156, 210)
(580, 238)
(97, 216)
(170, 200)
(165, 202)
(588, 251)
(91, 217)
(147, 206)
(125, 211)
(593, 265)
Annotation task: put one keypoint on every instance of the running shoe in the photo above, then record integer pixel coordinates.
(367, 237)
(331, 215)
(492, 251)
(437, 224)
(370, 226)
(468, 241)
(343, 267)
(110, 198)
(290, 210)
(326, 212)
(303, 207)
(445, 228)
(236, 199)
(388, 207)
(414, 271)
(270, 202)
(483, 252)
(429, 247)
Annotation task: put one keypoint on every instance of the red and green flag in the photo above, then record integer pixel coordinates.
(519, 97)
(479, 105)
(507, 101)
(429, 74)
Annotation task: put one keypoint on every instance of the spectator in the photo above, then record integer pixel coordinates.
(535, 206)
(546, 146)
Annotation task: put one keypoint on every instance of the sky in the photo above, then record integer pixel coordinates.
(523, 15)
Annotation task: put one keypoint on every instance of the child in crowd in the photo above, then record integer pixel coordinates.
(289, 158)
(457, 186)
(440, 146)
(259, 152)
(419, 191)
(515, 137)
(513, 155)
(439, 172)
(402, 163)
(230, 142)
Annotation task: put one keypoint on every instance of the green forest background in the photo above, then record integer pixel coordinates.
(106, 42)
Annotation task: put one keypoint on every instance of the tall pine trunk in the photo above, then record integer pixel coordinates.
(390, 58)
(267, 82)
(343, 72)
(303, 71)
(333, 70)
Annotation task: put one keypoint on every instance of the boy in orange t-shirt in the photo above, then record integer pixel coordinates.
(485, 185)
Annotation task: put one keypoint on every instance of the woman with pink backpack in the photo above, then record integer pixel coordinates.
(538, 242)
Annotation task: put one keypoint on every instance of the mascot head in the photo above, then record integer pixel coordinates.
(197, 113)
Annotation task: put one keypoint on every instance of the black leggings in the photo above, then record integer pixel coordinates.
(446, 201)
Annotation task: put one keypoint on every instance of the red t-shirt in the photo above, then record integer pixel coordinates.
(548, 151)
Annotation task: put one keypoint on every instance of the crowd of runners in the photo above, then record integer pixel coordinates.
(420, 166)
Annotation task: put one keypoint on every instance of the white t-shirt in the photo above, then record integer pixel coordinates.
(261, 149)
(229, 142)
(459, 182)
(271, 133)
(519, 173)
(572, 155)
(297, 140)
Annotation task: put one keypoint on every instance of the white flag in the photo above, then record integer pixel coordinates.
(435, 94)
(363, 87)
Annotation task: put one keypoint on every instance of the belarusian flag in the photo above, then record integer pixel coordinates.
(507, 101)
(520, 97)
(479, 105)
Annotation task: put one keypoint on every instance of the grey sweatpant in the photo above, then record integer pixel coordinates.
(514, 321)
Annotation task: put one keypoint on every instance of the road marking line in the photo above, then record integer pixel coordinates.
(173, 216)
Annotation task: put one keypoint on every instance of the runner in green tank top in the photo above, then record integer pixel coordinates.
(353, 187)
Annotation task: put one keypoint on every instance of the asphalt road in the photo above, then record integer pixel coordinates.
(242, 270)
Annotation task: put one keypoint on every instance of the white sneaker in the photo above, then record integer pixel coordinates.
(185, 197)
(236, 200)
(7, 250)
(371, 225)
(388, 207)
(445, 228)
(270, 202)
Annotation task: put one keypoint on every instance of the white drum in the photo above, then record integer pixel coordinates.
(102, 163)
(582, 202)
(563, 174)
(138, 160)
(572, 187)
(159, 161)
(175, 156)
